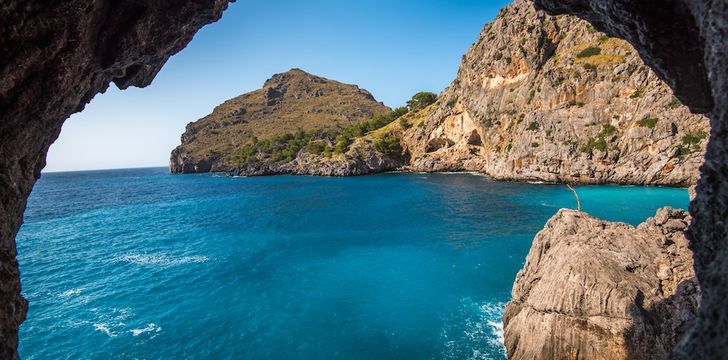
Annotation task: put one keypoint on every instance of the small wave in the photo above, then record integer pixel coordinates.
(475, 331)
(151, 327)
(71, 292)
(536, 182)
(104, 328)
(162, 259)
(111, 321)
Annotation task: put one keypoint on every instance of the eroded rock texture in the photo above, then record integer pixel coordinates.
(684, 41)
(53, 59)
(592, 289)
(549, 98)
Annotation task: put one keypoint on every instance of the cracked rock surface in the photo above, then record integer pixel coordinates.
(684, 42)
(592, 289)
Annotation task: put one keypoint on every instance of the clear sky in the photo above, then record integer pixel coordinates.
(393, 48)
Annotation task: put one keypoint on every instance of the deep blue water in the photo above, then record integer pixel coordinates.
(141, 264)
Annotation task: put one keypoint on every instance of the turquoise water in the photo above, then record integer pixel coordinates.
(140, 264)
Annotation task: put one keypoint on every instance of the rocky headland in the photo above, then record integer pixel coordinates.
(537, 97)
(290, 109)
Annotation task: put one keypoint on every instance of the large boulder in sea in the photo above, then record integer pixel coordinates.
(592, 289)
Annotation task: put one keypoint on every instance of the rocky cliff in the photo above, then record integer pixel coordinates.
(592, 289)
(288, 103)
(537, 97)
(549, 98)
(684, 42)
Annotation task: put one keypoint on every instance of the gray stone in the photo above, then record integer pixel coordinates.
(592, 289)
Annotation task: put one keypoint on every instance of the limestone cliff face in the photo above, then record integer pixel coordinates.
(539, 97)
(592, 289)
(288, 102)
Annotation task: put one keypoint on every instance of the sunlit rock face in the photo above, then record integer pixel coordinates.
(684, 42)
(550, 98)
(53, 59)
(592, 289)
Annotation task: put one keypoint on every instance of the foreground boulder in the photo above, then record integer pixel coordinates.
(592, 289)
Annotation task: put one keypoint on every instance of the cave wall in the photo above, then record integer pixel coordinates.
(54, 57)
(685, 42)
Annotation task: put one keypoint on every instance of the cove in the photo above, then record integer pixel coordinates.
(143, 264)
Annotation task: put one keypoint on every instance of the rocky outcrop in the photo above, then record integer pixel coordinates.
(684, 41)
(592, 289)
(550, 98)
(53, 59)
(287, 103)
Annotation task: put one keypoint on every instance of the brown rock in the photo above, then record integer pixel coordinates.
(684, 42)
(543, 111)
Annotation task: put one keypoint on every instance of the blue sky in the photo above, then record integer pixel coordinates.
(392, 48)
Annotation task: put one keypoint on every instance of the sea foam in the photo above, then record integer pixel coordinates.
(151, 327)
(161, 259)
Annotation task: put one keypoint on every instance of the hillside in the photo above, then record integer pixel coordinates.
(547, 98)
(288, 103)
(536, 98)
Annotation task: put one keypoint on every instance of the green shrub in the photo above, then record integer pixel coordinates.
(535, 145)
(404, 123)
(607, 129)
(388, 145)
(590, 51)
(599, 142)
(590, 29)
(317, 147)
(694, 138)
(648, 122)
(595, 143)
(590, 67)
(533, 126)
(421, 100)
(691, 142)
(636, 94)
(603, 38)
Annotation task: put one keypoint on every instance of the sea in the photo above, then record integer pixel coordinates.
(143, 264)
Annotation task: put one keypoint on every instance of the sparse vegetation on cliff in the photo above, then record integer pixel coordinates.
(388, 145)
(590, 51)
(648, 122)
